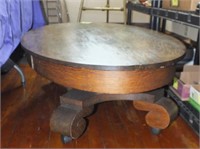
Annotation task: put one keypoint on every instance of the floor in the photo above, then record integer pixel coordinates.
(25, 114)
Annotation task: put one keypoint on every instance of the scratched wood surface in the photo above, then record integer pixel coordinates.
(25, 114)
(103, 46)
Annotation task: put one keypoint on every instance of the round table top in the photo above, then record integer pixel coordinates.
(103, 46)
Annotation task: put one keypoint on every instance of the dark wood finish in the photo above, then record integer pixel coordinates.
(84, 99)
(103, 58)
(25, 114)
(160, 113)
(68, 119)
(112, 82)
(103, 46)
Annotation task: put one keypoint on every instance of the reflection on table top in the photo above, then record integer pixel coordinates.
(103, 46)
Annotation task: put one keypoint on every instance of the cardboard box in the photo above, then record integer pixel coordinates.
(184, 5)
(195, 106)
(182, 89)
(195, 93)
(191, 68)
(192, 78)
(189, 77)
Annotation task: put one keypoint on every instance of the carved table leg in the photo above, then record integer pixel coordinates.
(161, 113)
(69, 117)
(70, 121)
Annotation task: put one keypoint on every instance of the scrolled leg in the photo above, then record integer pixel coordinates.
(160, 113)
(69, 118)
(70, 121)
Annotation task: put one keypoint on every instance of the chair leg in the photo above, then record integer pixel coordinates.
(9, 65)
(21, 74)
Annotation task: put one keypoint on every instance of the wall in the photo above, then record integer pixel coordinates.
(183, 30)
(100, 16)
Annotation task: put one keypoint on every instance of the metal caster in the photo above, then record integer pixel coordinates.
(23, 84)
(19, 70)
(65, 139)
(155, 131)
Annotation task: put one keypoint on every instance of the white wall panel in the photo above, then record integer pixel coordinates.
(183, 30)
(100, 16)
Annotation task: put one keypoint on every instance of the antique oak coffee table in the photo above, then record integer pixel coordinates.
(100, 62)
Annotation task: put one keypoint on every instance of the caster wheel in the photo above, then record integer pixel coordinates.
(65, 139)
(155, 131)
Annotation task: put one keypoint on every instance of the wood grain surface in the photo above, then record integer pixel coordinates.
(104, 81)
(103, 46)
(160, 113)
(25, 114)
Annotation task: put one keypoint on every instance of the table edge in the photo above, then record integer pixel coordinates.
(108, 68)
